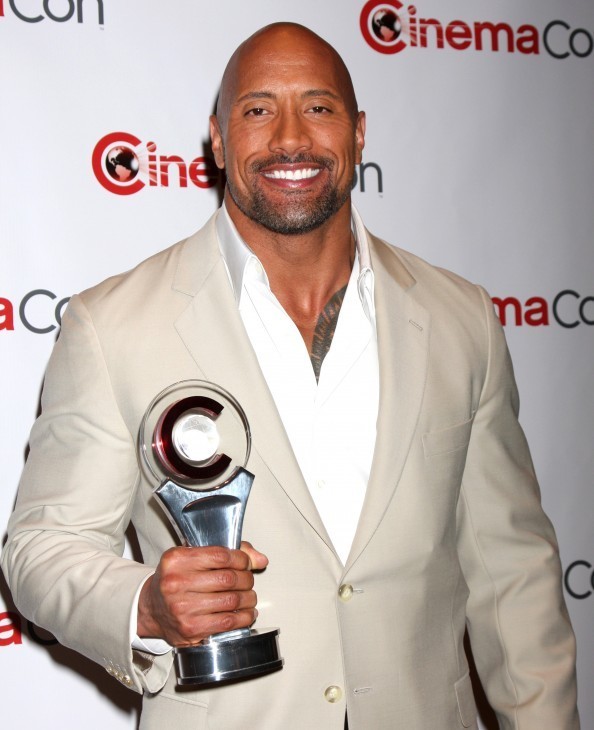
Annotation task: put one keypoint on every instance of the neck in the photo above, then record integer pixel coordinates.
(305, 271)
(309, 267)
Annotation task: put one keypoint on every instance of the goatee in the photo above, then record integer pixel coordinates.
(297, 214)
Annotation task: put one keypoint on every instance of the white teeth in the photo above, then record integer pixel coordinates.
(301, 174)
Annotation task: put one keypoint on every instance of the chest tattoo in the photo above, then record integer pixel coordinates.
(324, 331)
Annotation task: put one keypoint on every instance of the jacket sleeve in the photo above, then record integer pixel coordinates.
(63, 557)
(518, 625)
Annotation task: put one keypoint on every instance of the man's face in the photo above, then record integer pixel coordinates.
(287, 133)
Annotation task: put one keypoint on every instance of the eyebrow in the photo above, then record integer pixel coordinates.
(310, 93)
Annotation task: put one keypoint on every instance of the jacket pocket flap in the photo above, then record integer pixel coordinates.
(447, 439)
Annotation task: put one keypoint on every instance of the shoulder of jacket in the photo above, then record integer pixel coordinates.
(426, 274)
(151, 276)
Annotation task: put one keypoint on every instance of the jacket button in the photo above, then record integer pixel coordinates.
(333, 693)
(345, 592)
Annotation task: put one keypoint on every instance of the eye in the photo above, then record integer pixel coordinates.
(320, 110)
(256, 112)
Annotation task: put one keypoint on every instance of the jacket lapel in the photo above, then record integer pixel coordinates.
(403, 338)
(212, 330)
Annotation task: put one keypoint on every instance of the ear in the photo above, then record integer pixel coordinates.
(216, 140)
(360, 136)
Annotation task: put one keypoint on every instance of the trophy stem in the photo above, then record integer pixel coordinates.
(213, 517)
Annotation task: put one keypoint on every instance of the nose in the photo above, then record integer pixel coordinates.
(290, 134)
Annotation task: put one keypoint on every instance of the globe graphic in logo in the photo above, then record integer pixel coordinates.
(121, 163)
(386, 25)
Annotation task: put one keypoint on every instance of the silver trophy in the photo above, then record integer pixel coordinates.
(195, 441)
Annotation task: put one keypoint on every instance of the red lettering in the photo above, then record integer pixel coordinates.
(534, 313)
(538, 312)
(203, 172)
(527, 41)
(412, 22)
(6, 315)
(152, 163)
(501, 309)
(10, 623)
(493, 30)
(99, 152)
(425, 23)
(164, 162)
(458, 35)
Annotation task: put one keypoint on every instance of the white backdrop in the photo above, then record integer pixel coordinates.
(479, 157)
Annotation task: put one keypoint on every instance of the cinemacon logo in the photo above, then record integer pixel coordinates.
(60, 11)
(40, 311)
(568, 309)
(391, 27)
(124, 165)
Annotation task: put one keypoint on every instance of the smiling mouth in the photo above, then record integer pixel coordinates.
(300, 174)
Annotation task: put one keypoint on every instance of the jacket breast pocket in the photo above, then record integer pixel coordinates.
(446, 440)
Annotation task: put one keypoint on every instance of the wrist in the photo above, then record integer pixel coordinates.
(146, 625)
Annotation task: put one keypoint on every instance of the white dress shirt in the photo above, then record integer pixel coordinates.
(331, 424)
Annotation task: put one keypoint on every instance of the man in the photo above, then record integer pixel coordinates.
(395, 503)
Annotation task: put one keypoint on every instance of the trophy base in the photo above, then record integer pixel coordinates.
(228, 656)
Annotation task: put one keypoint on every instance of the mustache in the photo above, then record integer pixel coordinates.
(300, 159)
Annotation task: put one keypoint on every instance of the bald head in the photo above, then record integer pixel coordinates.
(287, 132)
(276, 44)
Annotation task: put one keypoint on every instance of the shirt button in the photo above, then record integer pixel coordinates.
(321, 483)
(333, 693)
(345, 592)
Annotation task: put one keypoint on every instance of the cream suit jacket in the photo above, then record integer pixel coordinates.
(451, 533)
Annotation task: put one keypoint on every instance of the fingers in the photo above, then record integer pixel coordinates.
(196, 592)
(204, 570)
(215, 557)
(191, 629)
(222, 602)
(257, 560)
(198, 583)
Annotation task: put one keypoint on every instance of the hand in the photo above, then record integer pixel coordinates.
(199, 591)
